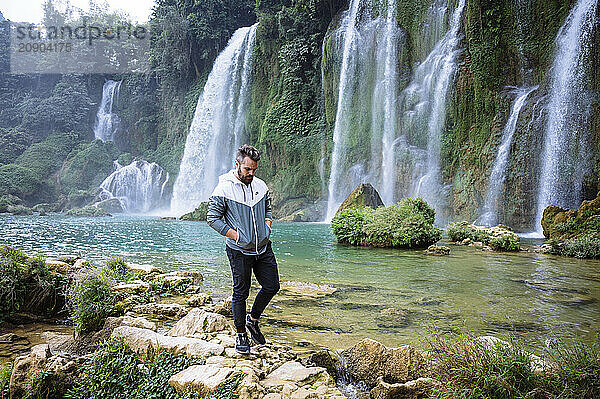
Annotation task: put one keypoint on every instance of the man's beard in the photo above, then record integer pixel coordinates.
(245, 180)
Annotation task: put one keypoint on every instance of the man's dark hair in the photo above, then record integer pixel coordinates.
(247, 151)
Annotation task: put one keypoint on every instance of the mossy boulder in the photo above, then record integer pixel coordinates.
(362, 196)
(499, 238)
(574, 233)
(407, 224)
(198, 214)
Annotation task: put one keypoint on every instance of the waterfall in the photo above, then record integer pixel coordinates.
(489, 216)
(348, 27)
(388, 97)
(424, 110)
(107, 123)
(139, 186)
(566, 150)
(217, 129)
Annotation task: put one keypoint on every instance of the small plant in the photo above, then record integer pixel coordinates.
(91, 299)
(118, 266)
(116, 371)
(47, 384)
(5, 372)
(585, 246)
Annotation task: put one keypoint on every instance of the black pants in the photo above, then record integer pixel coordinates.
(265, 270)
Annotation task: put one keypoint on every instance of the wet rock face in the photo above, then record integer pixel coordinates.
(368, 360)
(364, 195)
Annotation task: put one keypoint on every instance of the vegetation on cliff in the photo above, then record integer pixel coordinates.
(407, 224)
(574, 232)
(198, 214)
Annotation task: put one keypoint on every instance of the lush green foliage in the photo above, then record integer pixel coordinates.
(499, 238)
(91, 299)
(18, 180)
(198, 214)
(12, 144)
(5, 372)
(407, 224)
(471, 368)
(26, 284)
(115, 371)
(87, 166)
(583, 246)
(348, 226)
(47, 384)
(118, 266)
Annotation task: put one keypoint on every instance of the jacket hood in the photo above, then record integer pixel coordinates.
(229, 176)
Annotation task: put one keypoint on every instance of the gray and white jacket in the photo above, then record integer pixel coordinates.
(244, 208)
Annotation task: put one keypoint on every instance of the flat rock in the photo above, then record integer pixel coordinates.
(203, 379)
(139, 322)
(144, 340)
(162, 309)
(10, 337)
(293, 372)
(59, 266)
(198, 299)
(132, 287)
(143, 269)
(199, 321)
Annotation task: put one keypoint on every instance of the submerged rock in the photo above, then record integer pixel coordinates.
(438, 250)
(362, 196)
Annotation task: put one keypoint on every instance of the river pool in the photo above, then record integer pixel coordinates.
(393, 296)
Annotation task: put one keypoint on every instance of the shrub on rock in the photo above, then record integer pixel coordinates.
(499, 238)
(407, 224)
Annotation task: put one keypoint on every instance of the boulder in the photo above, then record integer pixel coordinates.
(139, 322)
(147, 341)
(143, 269)
(225, 307)
(88, 211)
(59, 266)
(364, 195)
(24, 368)
(203, 379)
(415, 389)
(293, 372)
(162, 309)
(198, 299)
(368, 360)
(198, 321)
(437, 250)
(111, 205)
(132, 287)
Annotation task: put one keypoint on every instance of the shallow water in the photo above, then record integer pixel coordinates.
(393, 296)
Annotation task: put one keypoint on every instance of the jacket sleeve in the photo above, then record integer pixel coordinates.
(216, 211)
(268, 208)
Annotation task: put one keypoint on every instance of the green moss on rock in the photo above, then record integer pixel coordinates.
(499, 238)
(198, 214)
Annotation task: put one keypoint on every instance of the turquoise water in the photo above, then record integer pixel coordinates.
(394, 296)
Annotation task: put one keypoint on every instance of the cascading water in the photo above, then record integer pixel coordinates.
(424, 110)
(489, 215)
(565, 155)
(107, 122)
(387, 95)
(368, 81)
(348, 28)
(139, 186)
(217, 129)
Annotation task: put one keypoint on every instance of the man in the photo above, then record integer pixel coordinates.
(240, 209)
